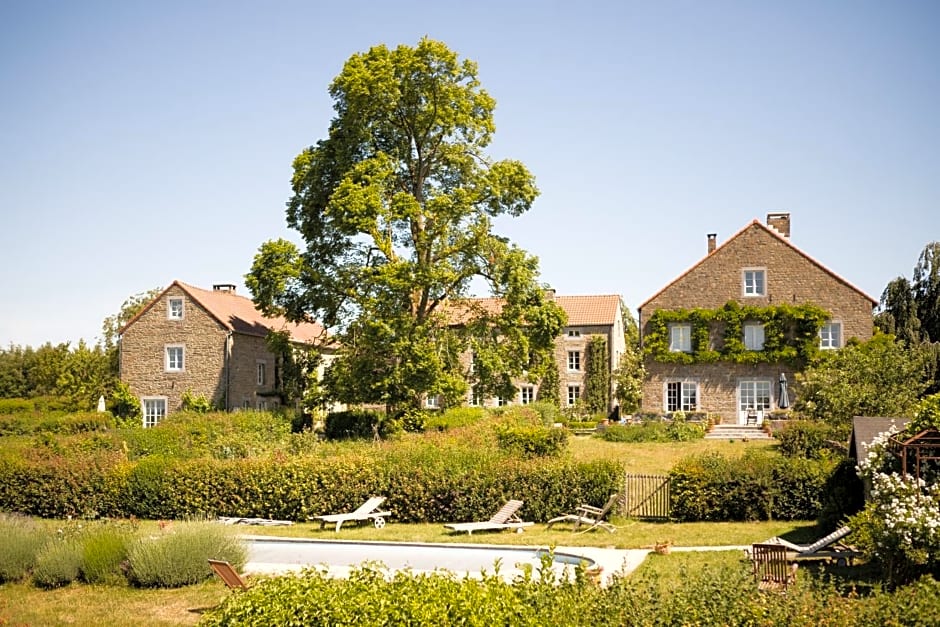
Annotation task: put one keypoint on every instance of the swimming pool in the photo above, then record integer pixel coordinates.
(272, 555)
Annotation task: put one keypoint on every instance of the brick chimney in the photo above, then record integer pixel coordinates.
(548, 293)
(780, 222)
(224, 287)
(712, 242)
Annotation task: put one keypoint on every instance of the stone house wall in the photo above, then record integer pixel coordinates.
(143, 352)
(791, 278)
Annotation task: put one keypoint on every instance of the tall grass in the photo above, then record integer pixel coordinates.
(58, 563)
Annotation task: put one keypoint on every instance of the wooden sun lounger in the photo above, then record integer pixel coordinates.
(228, 574)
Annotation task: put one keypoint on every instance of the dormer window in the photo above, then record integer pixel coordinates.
(754, 282)
(174, 309)
(680, 338)
(754, 337)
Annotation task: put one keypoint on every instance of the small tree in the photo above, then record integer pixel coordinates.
(549, 387)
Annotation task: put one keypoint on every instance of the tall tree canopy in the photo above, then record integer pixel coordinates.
(396, 209)
(926, 286)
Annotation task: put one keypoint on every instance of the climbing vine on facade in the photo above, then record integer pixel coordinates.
(791, 334)
(597, 376)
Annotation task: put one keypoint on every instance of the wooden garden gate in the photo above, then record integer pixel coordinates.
(646, 496)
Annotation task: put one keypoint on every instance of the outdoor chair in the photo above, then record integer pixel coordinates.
(590, 516)
(505, 518)
(366, 511)
(829, 546)
(772, 568)
(228, 574)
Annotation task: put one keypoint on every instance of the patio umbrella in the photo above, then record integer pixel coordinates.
(784, 399)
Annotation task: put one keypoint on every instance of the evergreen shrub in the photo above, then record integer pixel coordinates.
(805, 438)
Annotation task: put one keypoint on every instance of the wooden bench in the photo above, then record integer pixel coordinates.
(772, 567)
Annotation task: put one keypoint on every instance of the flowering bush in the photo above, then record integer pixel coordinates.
(900, 525)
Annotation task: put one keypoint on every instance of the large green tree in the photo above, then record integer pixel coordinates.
(926, 287)
(396, 208)
(880, 377)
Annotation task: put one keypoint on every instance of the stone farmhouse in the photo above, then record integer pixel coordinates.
(722, 338)
(206, 343)
(588, 316)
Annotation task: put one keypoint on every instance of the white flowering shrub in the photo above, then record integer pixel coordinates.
(900, 525)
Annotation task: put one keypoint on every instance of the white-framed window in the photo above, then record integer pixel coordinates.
(261, 367)
(432, 402)
(681, 396)
(246, 404)
(754, 394)
(680, 338)
(830, 335)
(574, 333)
(526, 394)
(262, 404)
(154, 409)
(574, 393)
(175, 356)
(174, 309)
(574, 361)
(754, 282)
(754, 337)
(476, 399)
(473, 363)
(500, 401)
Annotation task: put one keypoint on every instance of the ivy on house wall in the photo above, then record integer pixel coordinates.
(791, 334)
(597, 377)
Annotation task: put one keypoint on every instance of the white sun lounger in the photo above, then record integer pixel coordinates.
(366, 511)
(505, 518)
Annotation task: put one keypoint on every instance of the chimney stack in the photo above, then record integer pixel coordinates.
(224, 287)
(712, 242)
(780, 222)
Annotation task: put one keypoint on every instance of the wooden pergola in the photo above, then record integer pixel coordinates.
(918, 450)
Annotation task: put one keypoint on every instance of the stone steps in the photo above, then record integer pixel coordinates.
(737, 432)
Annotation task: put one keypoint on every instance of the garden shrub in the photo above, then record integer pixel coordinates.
(654, 431)
(16, 406)
(531, 440)
(103, 550)
(359, 424)
(20, 542)
(754, 486)
(58, 563)
(453, 418)
(179, 556)
(805, 438)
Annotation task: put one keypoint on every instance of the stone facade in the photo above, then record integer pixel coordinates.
(220, 338)
(587, 316)
(204, 342)
(791, 277)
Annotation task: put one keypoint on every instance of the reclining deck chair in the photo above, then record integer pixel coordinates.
(829, 546)
(505, 518)
(366, 511)
(228, 574)
(772, 568)
(592, 517)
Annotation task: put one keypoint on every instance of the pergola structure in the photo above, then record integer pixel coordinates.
(918, 451)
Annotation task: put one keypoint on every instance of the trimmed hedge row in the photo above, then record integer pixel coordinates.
(297, 488)
(754, 486)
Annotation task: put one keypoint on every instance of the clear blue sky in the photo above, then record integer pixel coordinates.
(144, 142)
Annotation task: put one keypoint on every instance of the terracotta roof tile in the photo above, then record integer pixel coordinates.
(581, 310)
(240, 315)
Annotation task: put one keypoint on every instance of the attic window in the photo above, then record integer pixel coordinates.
(174, 310)
(754, 283)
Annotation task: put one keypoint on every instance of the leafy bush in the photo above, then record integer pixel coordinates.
(454, 418)
(16, 406)
(20, 542)
(104, 549)
(180, 556)
(805, 438)
(754, 486)
(531, 440)
(126, 406)
(359, 424)
(58, 563)
(654, 431)
(195, 403)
